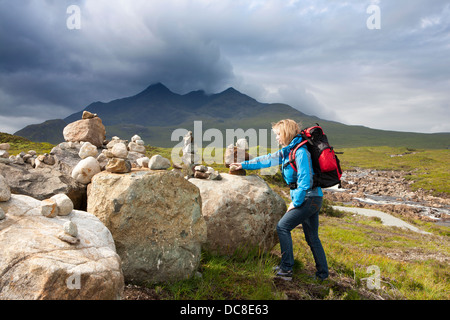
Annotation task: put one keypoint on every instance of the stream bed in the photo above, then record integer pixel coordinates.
(389, 191)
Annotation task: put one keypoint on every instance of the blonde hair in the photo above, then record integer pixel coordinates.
(287, 129)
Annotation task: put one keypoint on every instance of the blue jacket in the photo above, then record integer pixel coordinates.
(304, 176)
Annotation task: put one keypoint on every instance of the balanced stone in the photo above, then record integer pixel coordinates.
(70, 228)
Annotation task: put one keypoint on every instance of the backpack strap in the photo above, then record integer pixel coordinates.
(292, 155)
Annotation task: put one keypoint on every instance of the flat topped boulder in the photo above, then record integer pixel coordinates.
(38, 263)
(241, 213)
(155, 219)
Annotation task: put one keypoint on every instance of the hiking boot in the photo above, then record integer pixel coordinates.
(285, 275)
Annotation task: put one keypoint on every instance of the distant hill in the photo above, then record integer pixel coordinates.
(49, 131)
(156, 112)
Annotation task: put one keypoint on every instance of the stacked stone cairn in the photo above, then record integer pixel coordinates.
(4, 148)
(191, 166)
(61, 205)
(117, 155)
(235, 154)
(86, 140)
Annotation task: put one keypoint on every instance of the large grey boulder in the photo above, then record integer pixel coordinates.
(39, 260)
(155, 219)
(241, 213)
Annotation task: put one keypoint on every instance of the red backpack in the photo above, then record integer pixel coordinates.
(326, 165)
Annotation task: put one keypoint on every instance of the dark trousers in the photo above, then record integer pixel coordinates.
(307, 215)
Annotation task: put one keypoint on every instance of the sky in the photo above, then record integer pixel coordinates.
(383, 64)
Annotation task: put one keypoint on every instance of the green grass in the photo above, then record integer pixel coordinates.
(412, 266)
(228, 278)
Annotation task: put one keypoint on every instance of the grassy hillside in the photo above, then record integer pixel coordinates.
(412, 266)
(19, 144)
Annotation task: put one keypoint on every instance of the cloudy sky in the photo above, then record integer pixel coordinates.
(384, 64)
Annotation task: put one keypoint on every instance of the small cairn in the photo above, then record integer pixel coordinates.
(137, 145)
(192, 166)
(4, 148)
(236, 154)
(190, 156)
(61, 205)
(204, 172)
(117, 155)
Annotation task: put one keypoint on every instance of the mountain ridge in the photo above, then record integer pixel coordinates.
(156, 112)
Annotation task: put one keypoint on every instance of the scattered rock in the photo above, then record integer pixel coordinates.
(64, 204)
(88, 115)
(5, 160)
(393, 191)
(70, 228)
(158, 162)
(43, 159)
(143, 162)
(201, 168)
(48, 208)
(68, 238)
(201, 175)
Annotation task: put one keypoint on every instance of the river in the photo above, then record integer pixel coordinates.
(390, 191)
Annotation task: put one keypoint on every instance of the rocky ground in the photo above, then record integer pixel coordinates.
(391, 192)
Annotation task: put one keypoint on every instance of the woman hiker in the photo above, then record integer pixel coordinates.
(306, 201)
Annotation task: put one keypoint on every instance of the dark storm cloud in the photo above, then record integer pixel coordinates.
(48, 71)
(316, 55)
